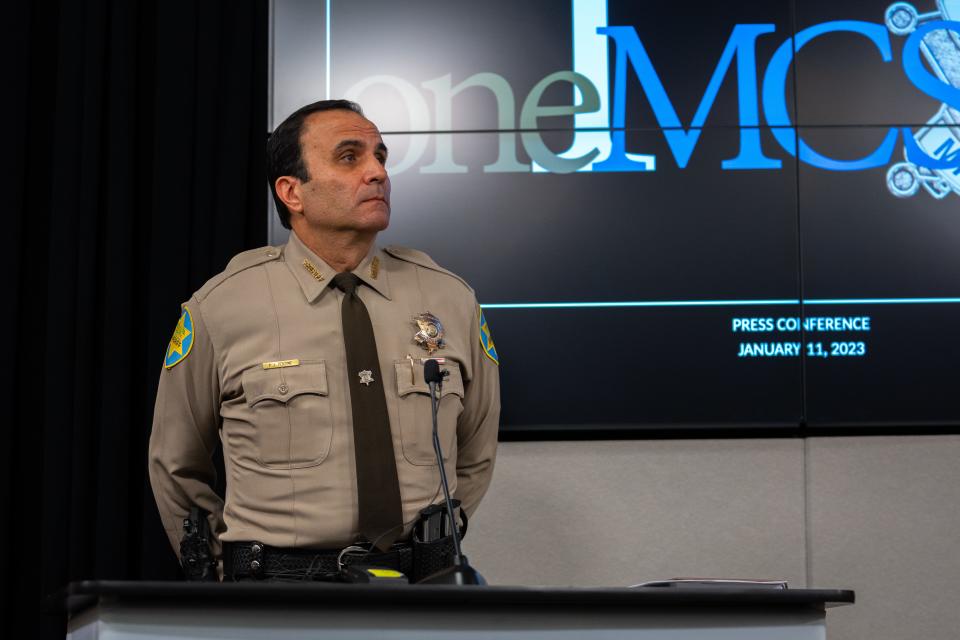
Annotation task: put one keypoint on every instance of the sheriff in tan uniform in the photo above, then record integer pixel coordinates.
(258, 362)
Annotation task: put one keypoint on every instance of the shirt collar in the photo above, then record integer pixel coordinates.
(315, 276)
(372, 270)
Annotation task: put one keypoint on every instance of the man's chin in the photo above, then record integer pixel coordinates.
(375, 221)
(376, 213)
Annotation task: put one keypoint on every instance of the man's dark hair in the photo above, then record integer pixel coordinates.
(284, 157)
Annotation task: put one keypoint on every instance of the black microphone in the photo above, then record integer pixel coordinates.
(431, 372)
(461, 572)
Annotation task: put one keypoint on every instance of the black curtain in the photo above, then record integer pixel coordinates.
(134, 171)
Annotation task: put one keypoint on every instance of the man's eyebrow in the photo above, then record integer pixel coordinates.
(346, 144)
(343, 144)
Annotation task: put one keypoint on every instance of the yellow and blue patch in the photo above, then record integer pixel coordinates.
(181, 342)
(486, 340)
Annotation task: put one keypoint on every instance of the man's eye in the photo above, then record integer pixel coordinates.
(382, 158)
(348, 157)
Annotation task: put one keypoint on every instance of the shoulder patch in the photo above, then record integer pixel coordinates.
(181, 342)
(421, 259)
(486, 339)
(238, 263)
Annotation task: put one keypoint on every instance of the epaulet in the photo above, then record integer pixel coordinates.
(239, 263)
(420, 258)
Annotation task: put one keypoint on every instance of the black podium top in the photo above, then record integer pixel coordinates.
(79, 596)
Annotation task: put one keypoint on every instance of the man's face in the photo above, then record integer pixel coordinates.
(349, 189)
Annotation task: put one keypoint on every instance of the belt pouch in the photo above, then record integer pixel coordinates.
(430, 557)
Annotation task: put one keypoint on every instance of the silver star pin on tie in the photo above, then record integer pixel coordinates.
(366, 377)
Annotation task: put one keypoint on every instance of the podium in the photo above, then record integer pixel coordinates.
(113, 610)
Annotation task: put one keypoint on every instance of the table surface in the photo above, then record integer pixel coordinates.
(79, 596)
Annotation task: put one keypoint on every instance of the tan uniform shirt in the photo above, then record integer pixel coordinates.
(287, 431)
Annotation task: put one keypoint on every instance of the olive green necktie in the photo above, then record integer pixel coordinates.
(378, 490)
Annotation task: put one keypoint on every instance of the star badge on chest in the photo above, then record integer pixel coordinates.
(366, 377)
(430, 334)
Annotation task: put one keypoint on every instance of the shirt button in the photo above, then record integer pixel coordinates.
(271, 253)
(283, 388)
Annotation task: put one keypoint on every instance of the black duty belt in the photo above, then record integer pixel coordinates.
(257, 561)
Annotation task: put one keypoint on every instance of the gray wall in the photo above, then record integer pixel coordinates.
(878, 515)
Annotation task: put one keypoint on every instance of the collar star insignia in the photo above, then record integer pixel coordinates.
(366, 377)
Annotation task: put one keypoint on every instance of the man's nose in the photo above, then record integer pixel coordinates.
(375, 171)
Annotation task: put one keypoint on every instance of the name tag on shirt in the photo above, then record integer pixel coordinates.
(279, 364)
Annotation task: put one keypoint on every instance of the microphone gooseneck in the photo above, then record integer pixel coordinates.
(461, 572)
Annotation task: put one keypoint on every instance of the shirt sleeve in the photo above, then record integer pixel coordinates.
(478, 424)
(186, 422)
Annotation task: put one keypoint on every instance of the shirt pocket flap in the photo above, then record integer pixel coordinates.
(410, 379)
(284, 383)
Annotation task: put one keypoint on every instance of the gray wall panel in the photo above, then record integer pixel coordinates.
(884, 521)
(616, 513)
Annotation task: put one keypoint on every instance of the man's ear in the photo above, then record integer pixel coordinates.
(288, 190)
